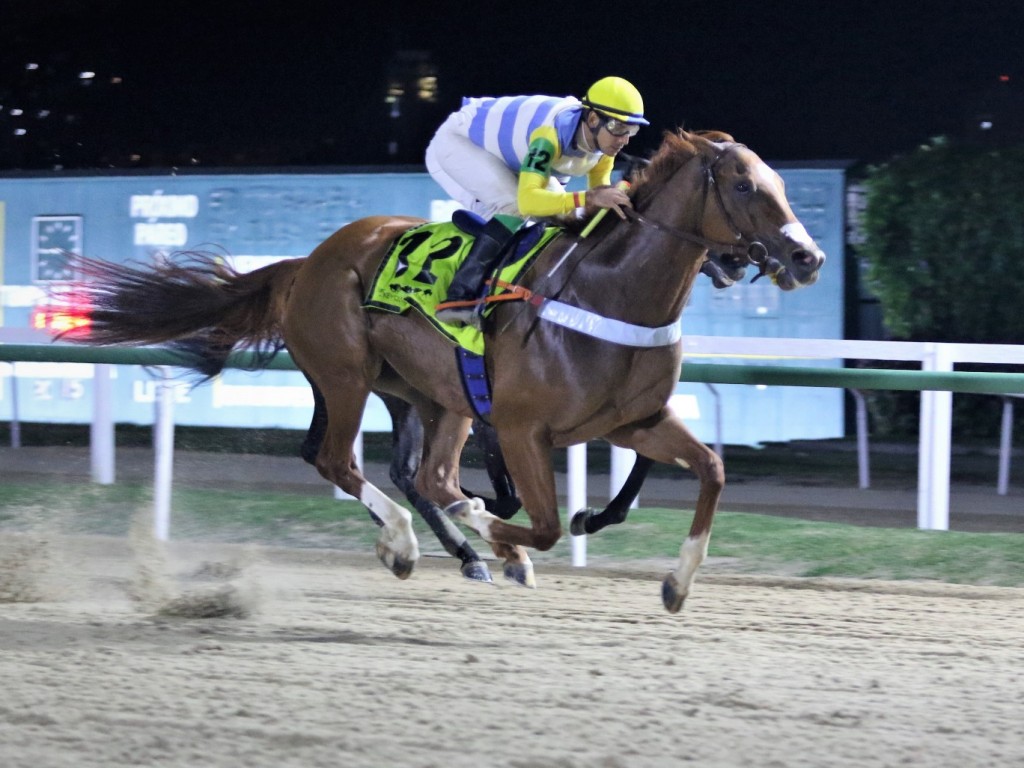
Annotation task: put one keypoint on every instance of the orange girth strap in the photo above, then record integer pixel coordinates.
(514, 293)
(456, 304)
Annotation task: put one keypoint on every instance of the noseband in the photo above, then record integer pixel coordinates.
(755, 251)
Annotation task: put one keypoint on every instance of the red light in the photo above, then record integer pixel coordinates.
(1004, 78)
(61, 322)
(72, 318)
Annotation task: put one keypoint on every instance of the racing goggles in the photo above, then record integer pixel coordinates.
(619, 128)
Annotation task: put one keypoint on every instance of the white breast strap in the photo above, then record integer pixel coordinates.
(608, 329)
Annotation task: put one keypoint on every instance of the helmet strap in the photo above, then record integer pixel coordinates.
(593, 134)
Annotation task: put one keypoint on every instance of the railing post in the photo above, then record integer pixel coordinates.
(1005, 447)
(163, 449)
(15, 418)
(576, 497)
(935, 446)
(101, 428)
(863, 454)
(719, 446)
(621, 464)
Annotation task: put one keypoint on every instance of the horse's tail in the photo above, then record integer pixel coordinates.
(193, 302)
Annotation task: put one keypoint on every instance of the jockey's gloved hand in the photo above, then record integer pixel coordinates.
(609, 197)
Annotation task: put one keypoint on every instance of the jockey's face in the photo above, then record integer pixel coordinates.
(610, 135)
(620, 128)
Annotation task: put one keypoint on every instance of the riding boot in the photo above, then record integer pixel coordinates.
(460, 306)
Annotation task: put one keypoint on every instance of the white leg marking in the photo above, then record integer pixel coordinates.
(691, 555)
(682, 463)
(393, 514)
(397, 534)
(473, 514)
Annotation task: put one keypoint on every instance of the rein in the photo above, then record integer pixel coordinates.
(600, 327)
(680, 234)
(755, 251)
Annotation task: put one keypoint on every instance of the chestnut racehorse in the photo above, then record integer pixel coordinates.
(593, 352)
(407, 447)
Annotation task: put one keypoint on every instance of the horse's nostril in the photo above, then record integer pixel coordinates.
(803, 258)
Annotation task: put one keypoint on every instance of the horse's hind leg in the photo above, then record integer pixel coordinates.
(317, 425)
(407, 448)
(396, 546)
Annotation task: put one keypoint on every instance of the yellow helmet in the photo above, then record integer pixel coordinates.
(616, 98)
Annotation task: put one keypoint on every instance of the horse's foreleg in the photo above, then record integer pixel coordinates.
(517, 564)
(670, 442)
(406, 450)
(589, 520)
(438, 478)
(406, 443)
(452, 539)
(708, 467)
(529, 461)
(505, 503)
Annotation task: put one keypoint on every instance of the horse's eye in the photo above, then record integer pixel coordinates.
(743, 187)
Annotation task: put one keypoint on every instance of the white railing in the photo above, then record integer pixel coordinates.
(936, 415)
(935, 440)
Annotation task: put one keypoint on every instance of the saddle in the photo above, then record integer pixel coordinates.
(419, 266)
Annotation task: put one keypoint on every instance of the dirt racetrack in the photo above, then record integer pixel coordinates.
(115, 653)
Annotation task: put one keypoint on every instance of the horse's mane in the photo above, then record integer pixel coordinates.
(646, 177)
(676, 149)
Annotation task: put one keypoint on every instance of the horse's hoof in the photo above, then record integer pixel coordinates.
(400, 566)
(578, 524)
(670, 594)
(477, 570)
(521, 573)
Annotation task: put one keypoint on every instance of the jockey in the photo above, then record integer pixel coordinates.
(509, 158)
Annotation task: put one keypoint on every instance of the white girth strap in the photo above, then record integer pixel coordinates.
(608, 329)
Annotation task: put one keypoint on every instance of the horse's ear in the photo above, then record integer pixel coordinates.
(717, 136)
(634, 166)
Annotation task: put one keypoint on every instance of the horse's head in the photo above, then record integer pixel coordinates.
(746, 205)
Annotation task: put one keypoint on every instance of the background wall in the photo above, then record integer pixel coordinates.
(259, 218)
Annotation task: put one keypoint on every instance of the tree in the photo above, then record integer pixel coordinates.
(944, 243)
(944, 247)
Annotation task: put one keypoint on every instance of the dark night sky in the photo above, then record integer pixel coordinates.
(796, 80)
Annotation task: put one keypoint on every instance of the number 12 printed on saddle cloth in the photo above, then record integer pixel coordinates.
(419, 267)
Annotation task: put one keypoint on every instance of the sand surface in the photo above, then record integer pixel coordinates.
(117, 652)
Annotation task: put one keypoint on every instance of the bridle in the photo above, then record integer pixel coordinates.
(754, 250)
